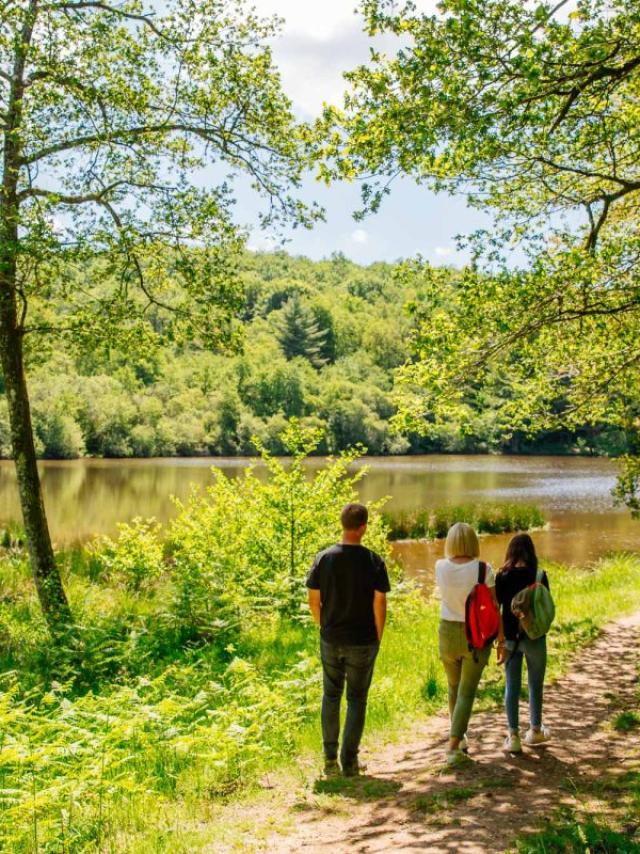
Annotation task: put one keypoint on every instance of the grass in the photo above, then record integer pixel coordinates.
(606, 820)
(485, 518)
(138, 739)
(569, 832)
(626, 721)
(360, 788)
(12, 535)
(429, 804)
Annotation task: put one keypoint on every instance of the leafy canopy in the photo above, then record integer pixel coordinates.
(124, 126)
(531, 110)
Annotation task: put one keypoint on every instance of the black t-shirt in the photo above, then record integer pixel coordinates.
(508, 583)
(347, 576)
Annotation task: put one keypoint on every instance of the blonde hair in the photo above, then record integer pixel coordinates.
(461, 541)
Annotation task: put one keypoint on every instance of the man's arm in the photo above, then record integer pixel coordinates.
(379, 611)
(315, 605)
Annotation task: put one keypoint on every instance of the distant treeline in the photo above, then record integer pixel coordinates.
(322, 341)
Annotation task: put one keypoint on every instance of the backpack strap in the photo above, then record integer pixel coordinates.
(540, 575)
(482, 572)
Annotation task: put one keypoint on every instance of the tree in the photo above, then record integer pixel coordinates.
(299, 333)
(532, 112)
(109, 113)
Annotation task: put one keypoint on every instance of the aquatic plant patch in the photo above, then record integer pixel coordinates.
(485, 518)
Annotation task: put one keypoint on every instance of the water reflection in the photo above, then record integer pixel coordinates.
(85, 497)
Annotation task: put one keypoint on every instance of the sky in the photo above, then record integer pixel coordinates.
(319, 40)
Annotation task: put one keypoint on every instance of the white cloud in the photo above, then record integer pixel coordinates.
(261, 242)
(319, 42)
(360, 236)
(319, 20)
(443, 251)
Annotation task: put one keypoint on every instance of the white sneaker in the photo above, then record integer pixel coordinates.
(535, 737)
(512, 743)
(464, 744)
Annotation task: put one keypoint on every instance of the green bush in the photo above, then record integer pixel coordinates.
(244, 547)
(136, 557)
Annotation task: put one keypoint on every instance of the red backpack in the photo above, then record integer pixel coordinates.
(481, 615)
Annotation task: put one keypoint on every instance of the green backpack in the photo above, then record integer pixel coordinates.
(535, 609)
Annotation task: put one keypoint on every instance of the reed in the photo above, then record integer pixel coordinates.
(485, 518)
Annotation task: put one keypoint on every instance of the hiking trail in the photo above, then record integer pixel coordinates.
(407, 802)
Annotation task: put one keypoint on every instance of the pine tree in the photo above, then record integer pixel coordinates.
(299, 333)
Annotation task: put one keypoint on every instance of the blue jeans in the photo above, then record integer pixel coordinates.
(353, 665)
(535, 653)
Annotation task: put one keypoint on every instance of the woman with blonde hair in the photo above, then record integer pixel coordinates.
(456, 576)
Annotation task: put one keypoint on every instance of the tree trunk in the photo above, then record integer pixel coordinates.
(43, 565)
(45, 571)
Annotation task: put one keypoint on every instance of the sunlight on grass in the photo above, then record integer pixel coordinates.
(147, 740)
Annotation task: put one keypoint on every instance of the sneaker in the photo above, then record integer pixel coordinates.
(512, 743)
(535, 737)
(331, 768)
(464, 744)
(456, 758)
(353, 769)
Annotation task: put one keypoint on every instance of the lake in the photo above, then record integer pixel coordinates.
(87, 497)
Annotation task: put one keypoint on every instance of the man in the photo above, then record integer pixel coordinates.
(348, 585)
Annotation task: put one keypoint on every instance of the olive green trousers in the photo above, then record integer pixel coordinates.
(463, 668)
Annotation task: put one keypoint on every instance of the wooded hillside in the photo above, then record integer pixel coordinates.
(318, 340)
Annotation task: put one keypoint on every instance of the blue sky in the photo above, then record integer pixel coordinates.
(318, 41)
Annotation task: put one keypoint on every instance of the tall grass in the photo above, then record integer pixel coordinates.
(485, 518)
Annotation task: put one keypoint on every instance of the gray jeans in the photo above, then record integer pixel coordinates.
(353, 665)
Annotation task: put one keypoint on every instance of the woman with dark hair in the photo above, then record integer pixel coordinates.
(519, 571)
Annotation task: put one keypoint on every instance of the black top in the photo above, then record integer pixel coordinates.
(508, 583)
(346, 576)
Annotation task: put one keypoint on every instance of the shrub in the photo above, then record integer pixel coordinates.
(245, 545)
(60, 436)
(136, 556)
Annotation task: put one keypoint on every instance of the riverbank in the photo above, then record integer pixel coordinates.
(153, 740)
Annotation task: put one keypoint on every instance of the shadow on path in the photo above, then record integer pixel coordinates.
(409, 803)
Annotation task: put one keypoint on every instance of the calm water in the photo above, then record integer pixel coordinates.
(86, 497)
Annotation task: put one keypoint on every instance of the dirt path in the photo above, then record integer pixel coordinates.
(407, 803)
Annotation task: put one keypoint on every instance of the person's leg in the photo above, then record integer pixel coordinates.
(513, 679)
(535, 652)
(359, 662)
(451, 659)
(472, 666)
(333, 675)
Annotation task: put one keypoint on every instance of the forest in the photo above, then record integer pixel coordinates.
(319, 341)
